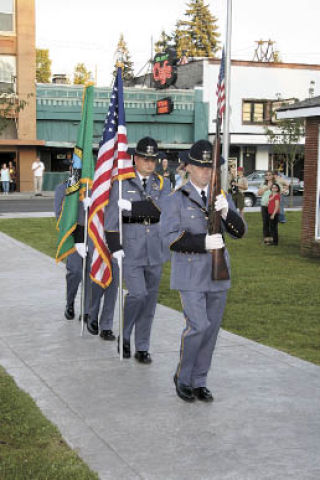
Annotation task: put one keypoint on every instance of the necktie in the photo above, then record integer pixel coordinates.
(144, 183)
(204, 197)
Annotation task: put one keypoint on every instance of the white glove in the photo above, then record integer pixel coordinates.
(87, 202)
(118, 255)
(221, 203)
(214, 242)
(125, 204)
(81, 249)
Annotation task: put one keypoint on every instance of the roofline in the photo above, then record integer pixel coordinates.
(250, 63)
(303, 112)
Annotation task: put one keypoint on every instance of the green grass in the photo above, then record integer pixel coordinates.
(274, 297)
(31, 448)
(274, 300)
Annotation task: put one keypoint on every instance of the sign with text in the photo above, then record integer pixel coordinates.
(164, 69)
(164, 106)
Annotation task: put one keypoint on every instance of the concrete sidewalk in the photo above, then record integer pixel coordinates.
(125, 420)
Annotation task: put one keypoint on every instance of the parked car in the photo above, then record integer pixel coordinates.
(257, 177)
(251, 197)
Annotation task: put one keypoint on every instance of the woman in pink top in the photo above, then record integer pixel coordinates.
(274, 210)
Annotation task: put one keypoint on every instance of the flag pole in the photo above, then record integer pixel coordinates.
(120, 279)
(226, 123)
(84, 263)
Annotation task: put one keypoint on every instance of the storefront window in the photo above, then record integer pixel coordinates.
(7, 16)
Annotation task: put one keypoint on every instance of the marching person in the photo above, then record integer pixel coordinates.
(141, 203)
(74, 260)
(184, 227)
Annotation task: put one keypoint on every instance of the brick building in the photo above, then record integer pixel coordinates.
(18, 141)
(310, 111)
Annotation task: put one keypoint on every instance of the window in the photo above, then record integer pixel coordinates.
(7, 16)
(7, 73)
(256, 111)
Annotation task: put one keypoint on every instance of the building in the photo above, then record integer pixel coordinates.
(18, 141)
(309, 110)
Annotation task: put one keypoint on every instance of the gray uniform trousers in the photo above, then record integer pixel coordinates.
(140, 303)
(109, 295)
(203, 312)
(74, 278)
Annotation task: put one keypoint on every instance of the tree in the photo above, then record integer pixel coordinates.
(198, 35)
(285, 139)
(10, 106)
(81, 75)
(165, 41)
(123, 52)
(43, 65)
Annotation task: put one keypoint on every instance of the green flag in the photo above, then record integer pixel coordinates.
(82, 159)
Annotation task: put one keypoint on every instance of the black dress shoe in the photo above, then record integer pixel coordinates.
(93, 327)
(69, 312)
(203, 393)
(185, 392)
(143, 357)
(107, 335)
(126, 348)
(85, 318)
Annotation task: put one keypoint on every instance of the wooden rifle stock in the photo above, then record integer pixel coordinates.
(219, 265)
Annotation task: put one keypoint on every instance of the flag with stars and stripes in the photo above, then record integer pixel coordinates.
(221, 93)
(113, 163)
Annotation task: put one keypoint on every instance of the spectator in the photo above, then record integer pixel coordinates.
(284, 188)
(237, 185)
(265, 191)
(165, 171)
(183, 175)
(12, 170)
(273, 210)
(38, 169)
(5, 179)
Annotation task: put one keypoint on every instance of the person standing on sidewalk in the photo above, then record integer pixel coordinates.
(184, 226)
(238, 185)
(38, 169)
(5, 179)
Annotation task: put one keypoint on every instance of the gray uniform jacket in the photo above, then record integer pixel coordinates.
(141, 229)
(183, 227)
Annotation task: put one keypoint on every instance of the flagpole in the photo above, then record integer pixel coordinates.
(84, 263)
(226, 123)
(120, 279)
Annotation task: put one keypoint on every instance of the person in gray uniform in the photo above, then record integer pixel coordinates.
(184, 228)
(109, 295)
(74, 260)
(141, 203)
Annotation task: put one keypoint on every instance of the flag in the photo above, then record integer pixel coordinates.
(113, 162)
(82, 160)
(221, 94)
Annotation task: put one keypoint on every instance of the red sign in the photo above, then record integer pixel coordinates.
(164, 69)
(164, 106)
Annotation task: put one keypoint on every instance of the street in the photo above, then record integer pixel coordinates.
(37, 204)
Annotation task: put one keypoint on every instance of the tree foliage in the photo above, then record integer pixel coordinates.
(123, 52)
(43, 65)
(81, 74)
(197, 35)
(10, 106)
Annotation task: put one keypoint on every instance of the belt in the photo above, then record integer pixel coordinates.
(141, 220)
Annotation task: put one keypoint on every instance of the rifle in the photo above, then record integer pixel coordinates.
(219, 265)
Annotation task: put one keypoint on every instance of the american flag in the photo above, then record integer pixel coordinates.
(221, 93)
(113, 162)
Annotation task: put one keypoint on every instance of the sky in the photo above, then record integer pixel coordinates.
(82, 31)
